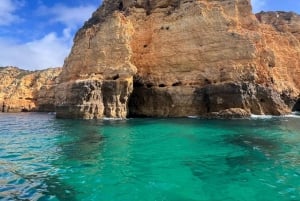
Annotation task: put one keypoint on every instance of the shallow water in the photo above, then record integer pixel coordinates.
(43, 158)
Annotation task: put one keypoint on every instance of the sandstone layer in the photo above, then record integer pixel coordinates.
(22, 90)
(176, 58)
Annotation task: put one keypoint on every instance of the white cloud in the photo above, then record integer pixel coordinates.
(69, 16)
(258, 5)
(7, 9)
(49, 51)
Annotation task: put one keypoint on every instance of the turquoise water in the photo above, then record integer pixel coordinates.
(43, 158)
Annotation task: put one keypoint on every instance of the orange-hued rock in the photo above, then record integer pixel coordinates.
(22, 90)
(280, 49)
(180, 58)
(97, 77)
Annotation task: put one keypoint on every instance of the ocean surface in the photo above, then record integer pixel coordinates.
(44, 158)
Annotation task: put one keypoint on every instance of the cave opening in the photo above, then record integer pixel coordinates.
(121, 6)
(116, 77)
(297, 106)
(206, 101)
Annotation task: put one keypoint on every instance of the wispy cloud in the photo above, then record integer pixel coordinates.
(73, 16)
(258, 5)
(69, 16)
(49, 51)
(7, 11)
(52, 48)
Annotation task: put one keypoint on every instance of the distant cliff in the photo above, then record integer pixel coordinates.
(22, 90)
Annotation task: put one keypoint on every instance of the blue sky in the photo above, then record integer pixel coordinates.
(276, 5)
(37, 34)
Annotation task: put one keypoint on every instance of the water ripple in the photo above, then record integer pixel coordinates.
(43, 158)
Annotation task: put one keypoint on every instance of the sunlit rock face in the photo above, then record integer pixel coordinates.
(22, 90)
(181, 57)
(96, 81)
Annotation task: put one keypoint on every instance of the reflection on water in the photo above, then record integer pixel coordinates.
(35, 187)
(254, 142)
(42, 158)
(258, 149)
(53, 186)
(27, 151)
(85, 146)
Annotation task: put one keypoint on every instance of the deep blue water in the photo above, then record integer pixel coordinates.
(43, 158)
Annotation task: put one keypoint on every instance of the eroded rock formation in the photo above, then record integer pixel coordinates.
(181, 57)
(22, 90)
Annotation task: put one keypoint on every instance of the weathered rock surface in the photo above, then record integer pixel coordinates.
(92, 99)
(288, 22)
(229, 114)
(96, 80)
(212, 98)
(185, 57)
(22, 90)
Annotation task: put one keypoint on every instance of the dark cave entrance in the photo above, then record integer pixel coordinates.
(297, 106)
(121, 6)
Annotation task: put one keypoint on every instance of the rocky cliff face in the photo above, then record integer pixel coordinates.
(179, 58)
(22, 90)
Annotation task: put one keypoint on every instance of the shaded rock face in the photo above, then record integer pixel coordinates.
(22, 90)
(93, 99)
(207, 100)
(185, 57)
(251, 97)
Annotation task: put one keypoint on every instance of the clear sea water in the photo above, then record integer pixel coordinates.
(43, 158)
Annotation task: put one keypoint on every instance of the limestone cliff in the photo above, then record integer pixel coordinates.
(22, 90)
(181, 57)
